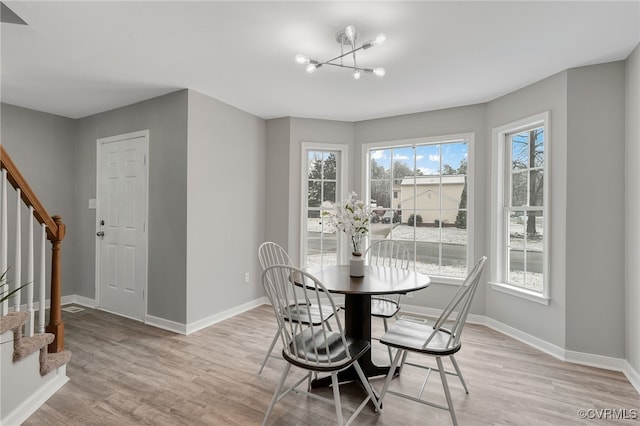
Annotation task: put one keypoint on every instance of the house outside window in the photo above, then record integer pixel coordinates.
(421, 190)
(322, 187)
(520, 220)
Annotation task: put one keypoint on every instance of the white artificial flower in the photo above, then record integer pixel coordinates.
(352, 218)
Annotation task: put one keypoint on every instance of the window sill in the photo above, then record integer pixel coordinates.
(521, 293)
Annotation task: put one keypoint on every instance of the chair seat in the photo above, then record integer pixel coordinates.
(307, 315)
(384, 308)
(315, 346)
(411, 335)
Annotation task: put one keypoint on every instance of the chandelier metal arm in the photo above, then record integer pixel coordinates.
(347, 66)
(348, 37)
(341, 56)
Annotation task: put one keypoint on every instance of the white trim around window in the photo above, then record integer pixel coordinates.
(500, 205)
(342, 182)
(469, 138)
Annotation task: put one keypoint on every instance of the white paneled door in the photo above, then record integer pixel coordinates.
(122, 224)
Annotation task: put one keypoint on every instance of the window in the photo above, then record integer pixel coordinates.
(322, 188)
(421, 189)
(520, 219)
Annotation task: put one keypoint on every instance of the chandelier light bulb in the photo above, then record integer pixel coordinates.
(349, 47)
(380, 72)
(301, 59)
(350, 32)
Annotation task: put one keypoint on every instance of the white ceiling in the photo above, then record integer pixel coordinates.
(79, 58)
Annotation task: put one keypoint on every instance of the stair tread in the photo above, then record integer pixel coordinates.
(12, 320)
(54, 361)
(25, 346)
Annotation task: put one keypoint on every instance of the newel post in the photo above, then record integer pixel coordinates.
(56, 326)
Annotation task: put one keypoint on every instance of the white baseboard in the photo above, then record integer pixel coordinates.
(37, 399)
(542, 345)
(65, 300)
(599, 361)
(592, 360)
(165, 324)
(78, 300)
(187, 329)
(632, 375)
(213, 319)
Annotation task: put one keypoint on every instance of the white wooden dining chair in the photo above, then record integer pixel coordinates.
(312, 346)
(442, 339)
(392, 254)
(269, 254)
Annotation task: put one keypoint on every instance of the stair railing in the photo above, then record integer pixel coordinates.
(52, 229)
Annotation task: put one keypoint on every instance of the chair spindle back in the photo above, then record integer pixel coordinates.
(457, 310)
(306, 342)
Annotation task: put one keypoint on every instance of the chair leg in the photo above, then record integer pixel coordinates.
(276, 394)
(404, 359)
(394, 363)
(367, 387)
(336, 397)
(459, 373)
(386, 328)
(445, 386)
(266, 357)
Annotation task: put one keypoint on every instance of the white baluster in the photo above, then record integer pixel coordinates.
(17, 271)
(4, 243)
(29, 329)
(41, 282)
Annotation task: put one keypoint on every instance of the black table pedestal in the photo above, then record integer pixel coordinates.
(358, 326)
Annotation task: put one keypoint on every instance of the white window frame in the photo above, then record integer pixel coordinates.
(341, 191)
(469, 138)
(499, 203)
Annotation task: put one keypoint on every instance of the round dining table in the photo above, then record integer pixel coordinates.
(377, 281)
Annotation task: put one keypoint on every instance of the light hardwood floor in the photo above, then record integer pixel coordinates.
(123, 373)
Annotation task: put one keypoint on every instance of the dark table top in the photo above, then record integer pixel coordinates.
(377, 280)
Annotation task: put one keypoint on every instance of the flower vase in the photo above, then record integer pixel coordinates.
(356, 265)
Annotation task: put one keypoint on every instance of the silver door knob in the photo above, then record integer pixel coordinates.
(100, 234)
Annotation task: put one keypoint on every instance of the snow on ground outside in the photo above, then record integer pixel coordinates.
(450, 235)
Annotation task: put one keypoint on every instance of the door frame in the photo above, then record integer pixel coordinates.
(144, 134)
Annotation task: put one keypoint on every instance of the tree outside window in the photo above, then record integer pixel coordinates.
(419, 193)
(526, 208)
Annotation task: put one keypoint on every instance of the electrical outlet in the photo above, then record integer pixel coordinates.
(246, 277)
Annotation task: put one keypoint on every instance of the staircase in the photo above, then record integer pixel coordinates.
(32, 356)
(25, 346)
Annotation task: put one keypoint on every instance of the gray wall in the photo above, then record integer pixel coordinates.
(310, 130)
(225, 206)
(276, 184)
(595, 213)
(544, 322)
(632, 155)
(42, 147)
(470, 119)
(166, 119)
(186, 128)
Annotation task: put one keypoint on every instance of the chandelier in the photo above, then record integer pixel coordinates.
(347, 37)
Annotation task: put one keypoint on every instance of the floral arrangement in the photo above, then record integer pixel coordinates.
(352, 218)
